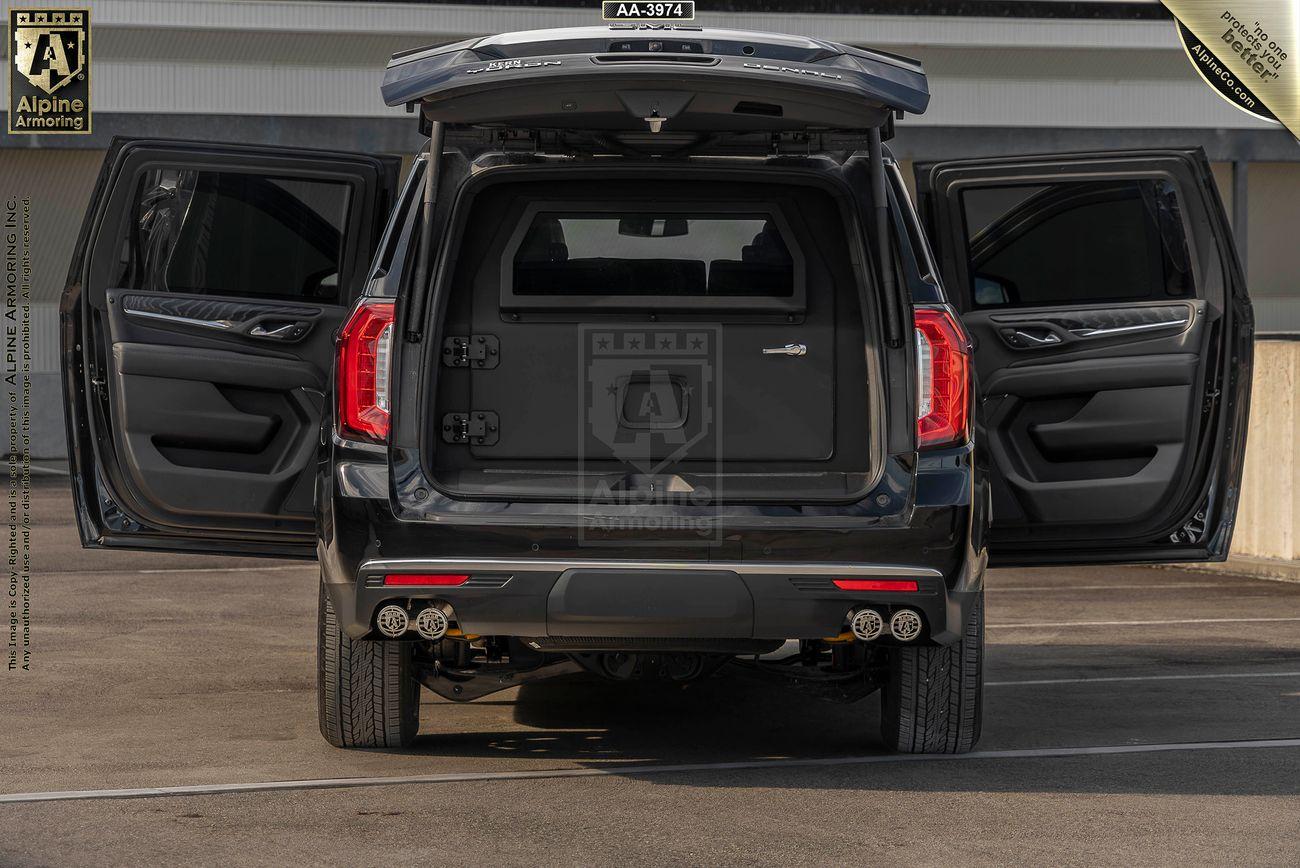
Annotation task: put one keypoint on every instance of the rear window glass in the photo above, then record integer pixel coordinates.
(653, 254)
(1076, 242)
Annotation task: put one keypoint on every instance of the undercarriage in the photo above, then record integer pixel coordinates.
(463, 669)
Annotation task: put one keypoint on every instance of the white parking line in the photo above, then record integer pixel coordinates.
(636, 770)
(1110, 678)
(238, 569)
(1054, 624)
(276, 568)
(1178, 586)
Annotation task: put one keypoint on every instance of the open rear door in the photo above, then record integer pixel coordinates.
(198, 330)
(1112, 345)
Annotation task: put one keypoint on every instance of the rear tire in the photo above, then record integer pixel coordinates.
(366, 692)
(934, 699)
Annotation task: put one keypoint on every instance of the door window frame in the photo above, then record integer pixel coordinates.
(106, 258)
(957, 250)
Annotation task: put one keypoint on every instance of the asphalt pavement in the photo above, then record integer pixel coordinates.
(1132, 716)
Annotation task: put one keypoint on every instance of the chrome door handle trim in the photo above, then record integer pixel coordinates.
(1120, 330)
(216, 324)
(261, 331)
(787, 350)
(1043, 341)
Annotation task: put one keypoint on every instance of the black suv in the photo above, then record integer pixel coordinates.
(655, 369)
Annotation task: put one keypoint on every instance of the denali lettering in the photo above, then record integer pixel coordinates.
(498, 65)
(793, 69)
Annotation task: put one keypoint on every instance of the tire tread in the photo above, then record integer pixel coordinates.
(934, 699)
(367, 695)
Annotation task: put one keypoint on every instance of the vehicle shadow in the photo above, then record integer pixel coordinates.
(739, 717)
(730, 716)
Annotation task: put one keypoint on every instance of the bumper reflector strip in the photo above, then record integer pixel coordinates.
(876, 584)
(442, 579)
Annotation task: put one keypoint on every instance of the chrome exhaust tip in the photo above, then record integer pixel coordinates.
(866, 624)
(905, 625)
(432, 623)
(392, 621)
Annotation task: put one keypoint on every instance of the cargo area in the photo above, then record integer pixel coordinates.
(689, 334)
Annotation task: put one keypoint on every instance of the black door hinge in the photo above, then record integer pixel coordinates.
(479, 427)
(482, 352)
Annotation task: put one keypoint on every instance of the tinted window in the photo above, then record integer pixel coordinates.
(231, 233)
(636, 254)
(1076, 243)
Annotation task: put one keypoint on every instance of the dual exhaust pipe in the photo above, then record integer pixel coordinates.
(430, 623)
(869, 624)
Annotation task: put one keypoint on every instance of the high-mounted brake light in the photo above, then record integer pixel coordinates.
(365, 345)
(943, 399)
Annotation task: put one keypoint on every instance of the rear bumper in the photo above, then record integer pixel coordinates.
(769, 583)
(652, 599)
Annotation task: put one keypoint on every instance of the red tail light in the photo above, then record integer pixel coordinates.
(876, 584)
(364, 349)
(943, 378)
(426, 579)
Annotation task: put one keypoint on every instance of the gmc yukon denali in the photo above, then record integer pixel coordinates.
(656, 367)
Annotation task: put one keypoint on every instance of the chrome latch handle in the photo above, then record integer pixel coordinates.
(787, 350)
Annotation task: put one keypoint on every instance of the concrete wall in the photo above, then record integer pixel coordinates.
(1268, 520)
(1274, 228)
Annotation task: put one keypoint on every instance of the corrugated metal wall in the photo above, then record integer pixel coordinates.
(160, 59)
(312, 58)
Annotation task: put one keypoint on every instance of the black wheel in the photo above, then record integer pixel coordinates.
(365, 691)
(934, 698)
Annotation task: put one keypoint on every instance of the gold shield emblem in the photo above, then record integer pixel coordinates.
(50, 47)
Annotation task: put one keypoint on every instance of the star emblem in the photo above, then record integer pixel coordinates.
(697, 344)
(603, 343)
(666, 344)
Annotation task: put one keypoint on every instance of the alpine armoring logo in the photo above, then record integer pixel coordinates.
(49, 79)
(650, 410)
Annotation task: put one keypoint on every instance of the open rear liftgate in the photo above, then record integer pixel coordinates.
(607, 89)
(665, 91)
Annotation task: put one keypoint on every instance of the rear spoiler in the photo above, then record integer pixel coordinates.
(675, 80)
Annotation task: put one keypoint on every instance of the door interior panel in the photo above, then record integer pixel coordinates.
(206, 290)
(216, 419)
(191, 314)
(1110, 327)
(1088, 410)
